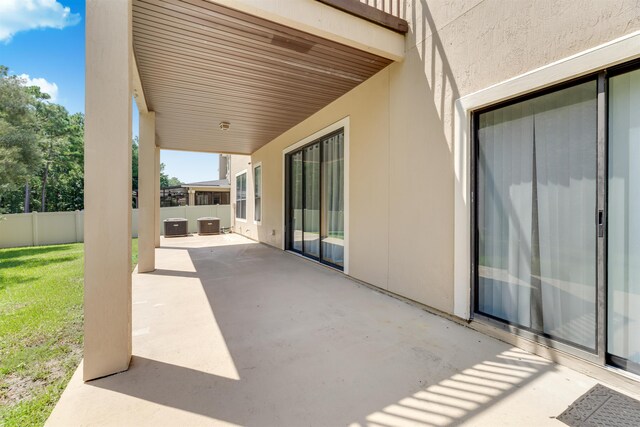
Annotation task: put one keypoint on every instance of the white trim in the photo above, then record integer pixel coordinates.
(235, 202)
(253, 170)
(342, 123)
(606, 55)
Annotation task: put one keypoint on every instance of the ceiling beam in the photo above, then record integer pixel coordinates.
(327, 22)
(370, 13)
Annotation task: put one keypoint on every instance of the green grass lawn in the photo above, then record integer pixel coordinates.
(41, 290)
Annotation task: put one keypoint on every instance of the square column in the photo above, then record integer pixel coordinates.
(157, 195)
(146, 194)
(107, 189)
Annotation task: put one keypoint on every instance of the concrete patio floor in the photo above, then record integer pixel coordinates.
(231, 332)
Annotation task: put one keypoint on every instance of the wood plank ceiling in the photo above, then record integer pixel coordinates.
(201, 64)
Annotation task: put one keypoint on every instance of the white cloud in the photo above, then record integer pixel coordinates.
(23, 15)
(43, 84)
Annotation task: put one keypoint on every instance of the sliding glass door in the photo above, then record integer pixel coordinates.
(624, 222)
(537, 167)
(556, 238)
(315, 200)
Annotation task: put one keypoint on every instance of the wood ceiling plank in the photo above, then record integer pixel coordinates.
(284, 93)
(239, 61)
(243, 77)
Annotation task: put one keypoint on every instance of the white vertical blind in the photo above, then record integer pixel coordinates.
(311, 170)
(333, 199)
(536, 210)
(624, 217)
(296, 200)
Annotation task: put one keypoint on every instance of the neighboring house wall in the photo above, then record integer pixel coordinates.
(402, 179)
(216, 193)
(51, 228)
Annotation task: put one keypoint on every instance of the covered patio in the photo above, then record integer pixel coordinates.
(224, 330)
(227, 331)
(214, 76)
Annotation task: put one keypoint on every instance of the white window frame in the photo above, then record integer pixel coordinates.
(244, 171)
(256, 166)
(618, 51)
(342, 123)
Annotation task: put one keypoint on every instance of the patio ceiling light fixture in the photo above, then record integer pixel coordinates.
(225, 125)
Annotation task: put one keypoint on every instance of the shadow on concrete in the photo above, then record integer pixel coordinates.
(312, 347)
(173, 273)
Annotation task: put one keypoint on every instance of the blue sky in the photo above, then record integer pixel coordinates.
(54, 51)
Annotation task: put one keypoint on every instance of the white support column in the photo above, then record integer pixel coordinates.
(146, 194)
(107, 226)
(157, 198)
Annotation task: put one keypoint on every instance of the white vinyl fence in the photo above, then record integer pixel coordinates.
(51, 228)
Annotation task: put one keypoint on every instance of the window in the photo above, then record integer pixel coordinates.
(257, 193)
(241, 195)
(204, 198)
(223, 199)
(211, 198)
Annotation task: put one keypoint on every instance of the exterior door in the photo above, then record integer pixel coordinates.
(557, 216)
(315, 200)
(537, 187)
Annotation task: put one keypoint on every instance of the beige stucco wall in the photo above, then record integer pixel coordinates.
(237, 164)
(402, 181)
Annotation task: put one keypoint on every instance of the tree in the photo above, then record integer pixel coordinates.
(174, 182)
(65, 189)
(165, 181)
(53, 129)
(19, 151)
(41, 148)
(164, 178)
(134, 164)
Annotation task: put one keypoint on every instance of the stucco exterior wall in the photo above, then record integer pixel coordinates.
(402, 182)
(237, 164)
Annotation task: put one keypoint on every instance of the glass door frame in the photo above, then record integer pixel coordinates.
(600, 356)
(288, 214)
